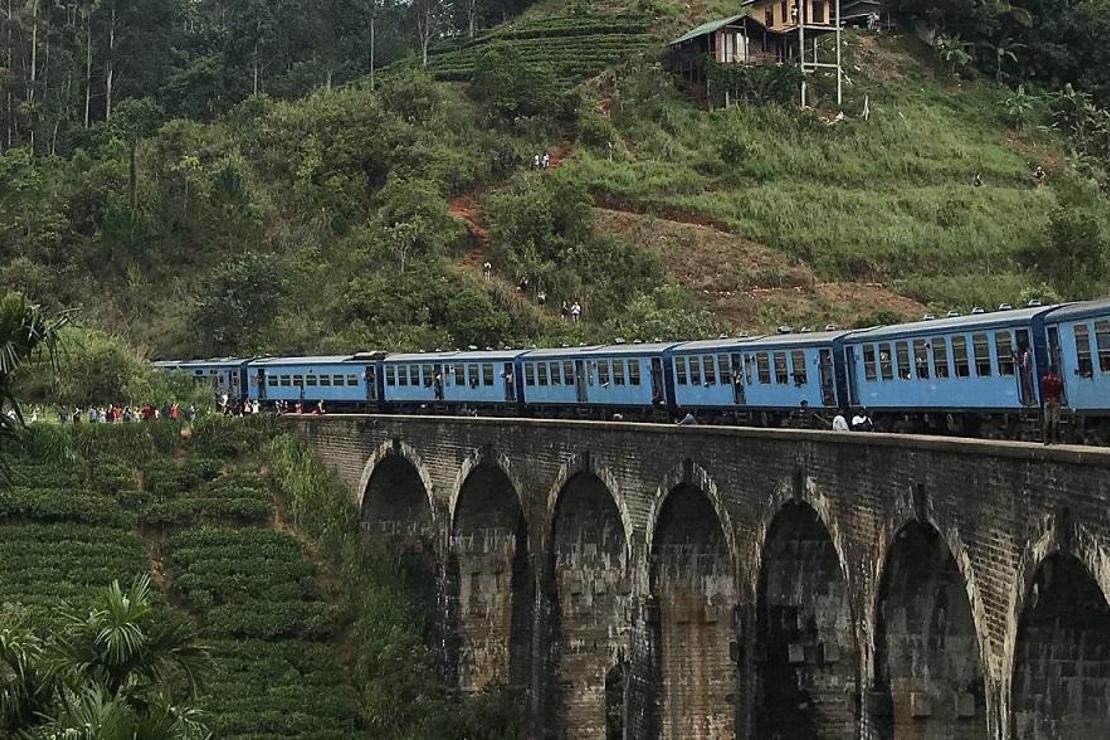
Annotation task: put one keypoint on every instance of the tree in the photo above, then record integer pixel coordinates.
(953, 51)
(1004, 50)
(24, 330)
(237, 310)
(118, 671)
(512, 85)
(1074, 257)
(135, 119)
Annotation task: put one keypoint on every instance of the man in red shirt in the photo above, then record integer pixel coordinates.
(1052, 391)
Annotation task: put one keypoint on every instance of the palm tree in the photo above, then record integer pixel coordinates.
(1004, 50)
(24, 329)
(118, 670)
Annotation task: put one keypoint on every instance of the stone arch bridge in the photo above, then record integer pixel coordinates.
(702, 582)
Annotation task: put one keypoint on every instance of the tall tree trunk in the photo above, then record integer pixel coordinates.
(109, 70)
(373, 20)
(471, 17)
(11, 111)
(88, 64)
(34, 68)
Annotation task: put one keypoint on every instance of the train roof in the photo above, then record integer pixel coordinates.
(763, 341)
(1082, 310)
(213, 362)
(304, 360)
(598, 350)
(952, 323)
(489, 355)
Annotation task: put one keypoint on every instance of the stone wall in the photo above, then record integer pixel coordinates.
(890, 586)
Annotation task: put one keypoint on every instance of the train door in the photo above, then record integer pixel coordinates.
(658, 395)
(737, 364)
(828, 381)
(437, 381)
(580, 381)
(1025, 369)
(260, 381)
(850, 365)
(510, 382)
(1054, 357)
(371, 383)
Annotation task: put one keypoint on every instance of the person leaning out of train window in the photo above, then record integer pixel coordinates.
(861, 422)
(1052, 390)
(840, 421)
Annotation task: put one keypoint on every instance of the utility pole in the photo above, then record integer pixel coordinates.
(799, 8)
(839, 75)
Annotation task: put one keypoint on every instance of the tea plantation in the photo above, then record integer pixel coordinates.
(90, 505)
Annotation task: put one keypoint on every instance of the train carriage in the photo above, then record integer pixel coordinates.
(338, 380)
(764, 374)
(471, 379)
(224, 374)
(972, 370)
(614, 377)
(1079, 345)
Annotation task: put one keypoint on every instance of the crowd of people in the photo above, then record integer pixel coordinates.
(117, 413)
(229, 406)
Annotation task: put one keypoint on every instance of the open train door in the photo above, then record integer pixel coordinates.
(260, 381)
(828, 382)
(580, 381)
(510, 382)
(1024, 362)
(736, 362)
(658, 396)
(371, 383)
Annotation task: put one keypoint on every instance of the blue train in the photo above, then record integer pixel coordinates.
(974, 375)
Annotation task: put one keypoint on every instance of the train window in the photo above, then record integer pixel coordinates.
(680, 370)
(981, 348)
(1004, 348)
(781, 373)
(529, 373)
(286, 381)
(541, 373)
(1102, 341)
(402, 375)
(298, 380)
(487, 374)
(869, 363)
(633, 372)
(709, 370)
(591, 368)
(460, 375)
(798, 365)
(921, 358)
(763, 366)
(352, 380)
(414, 375)
(940, 357)
(325, 380)
(902, 357)
(695, 371)
(603, 372)
(959, 357)
(556, 379)
(272, 381)
(749, 363)
(723, 370)
(310, 380)
(568, 371)
(1083, 364)
(429, 375)
(618, 372)
(886, 362)
(472, 375)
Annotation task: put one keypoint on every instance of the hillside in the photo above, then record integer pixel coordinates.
(357, 218)
(202, 511)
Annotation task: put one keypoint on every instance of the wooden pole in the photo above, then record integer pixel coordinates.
(839, 75)
(802, 45)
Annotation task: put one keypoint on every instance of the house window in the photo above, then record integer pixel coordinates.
(555, 377)
(886, 362)
(781, 374)
(921, 358)
(959, 357)
(680, 370)
(633, 372)
(940, 357)
(1083, 364)
(769, 16)
(869, 363)
(1102, 340)
(980, 346)
(487, 374)
(708, 370)
(818, 12)
(902, 355)
(1003, 347)
(763, 367)
(798, 365)
(529, 373)
(784, 13)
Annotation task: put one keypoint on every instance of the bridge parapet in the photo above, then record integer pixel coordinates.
(733, 580)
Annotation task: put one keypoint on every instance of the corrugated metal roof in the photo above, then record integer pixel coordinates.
(705, 28)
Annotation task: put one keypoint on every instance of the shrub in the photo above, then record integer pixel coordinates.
(511, 84)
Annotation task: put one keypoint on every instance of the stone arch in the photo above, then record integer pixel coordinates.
(395, 499)
(489, 581)
(928, 659)
(396, 448)
(693, 585)
(1060, 676)
(585, 463)
(485, 457)
(587, 584)
(807, 654)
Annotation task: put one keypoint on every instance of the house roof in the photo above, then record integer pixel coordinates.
(707, 28)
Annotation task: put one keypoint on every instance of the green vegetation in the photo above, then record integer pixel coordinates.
(309, 637)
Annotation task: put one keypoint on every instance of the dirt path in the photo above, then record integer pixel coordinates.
(661, 212)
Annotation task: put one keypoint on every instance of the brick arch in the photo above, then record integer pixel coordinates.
(805, 618)
(1056, 535)
(961, 559)
(689, 473)
(487, 455)
(585, 463)
(399, 448)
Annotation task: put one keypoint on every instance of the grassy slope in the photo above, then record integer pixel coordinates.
(108, 503)
(887, 200)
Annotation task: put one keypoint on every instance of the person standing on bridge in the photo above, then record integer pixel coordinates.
(1052, 389)
(840, 421)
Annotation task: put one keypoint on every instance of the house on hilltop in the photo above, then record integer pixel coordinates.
(767, 32)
